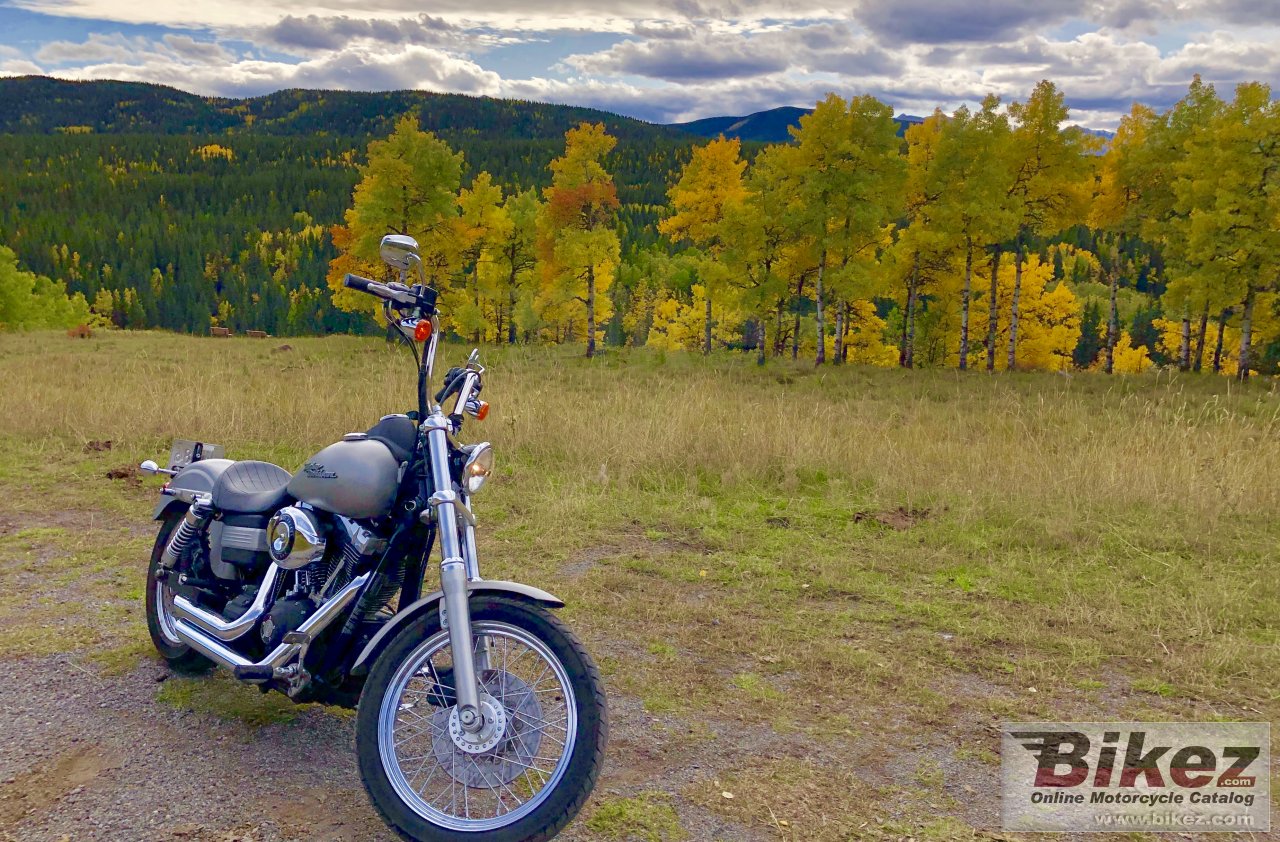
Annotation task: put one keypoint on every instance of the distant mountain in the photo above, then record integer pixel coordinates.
(764, 126)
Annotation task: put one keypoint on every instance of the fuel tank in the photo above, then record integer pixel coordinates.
(356, 478)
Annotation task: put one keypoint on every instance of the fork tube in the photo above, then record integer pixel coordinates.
(469, 546)
(453, 574)
(483, 658)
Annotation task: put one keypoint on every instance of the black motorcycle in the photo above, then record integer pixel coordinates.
(480, 716)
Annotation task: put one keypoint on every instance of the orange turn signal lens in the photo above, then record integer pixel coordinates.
(482, 410)
(423, 331)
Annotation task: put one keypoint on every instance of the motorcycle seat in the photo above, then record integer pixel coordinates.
(251, 487)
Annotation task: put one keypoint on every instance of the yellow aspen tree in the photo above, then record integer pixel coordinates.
(578, 242)
(1239, 230)
(1052, 177)
(972, 173)
(409, 186)
(710, 189)
(1122, 182)
(848, 183)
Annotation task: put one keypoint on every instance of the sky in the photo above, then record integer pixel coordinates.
(667, 61)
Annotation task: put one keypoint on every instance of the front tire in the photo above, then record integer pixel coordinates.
(555, 705)
(179, 656)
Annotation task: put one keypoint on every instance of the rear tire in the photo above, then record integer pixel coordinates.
(179, 656)
(567, 794)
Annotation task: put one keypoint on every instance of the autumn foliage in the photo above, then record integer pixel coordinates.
(999, 236)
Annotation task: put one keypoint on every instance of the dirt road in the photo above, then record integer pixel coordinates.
(86, 756)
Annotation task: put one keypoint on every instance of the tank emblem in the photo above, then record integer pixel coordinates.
(316, 470)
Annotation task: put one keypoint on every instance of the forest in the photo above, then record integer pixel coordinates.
(997, 237)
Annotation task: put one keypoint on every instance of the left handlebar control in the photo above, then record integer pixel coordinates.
(390, 292)
(356, 282)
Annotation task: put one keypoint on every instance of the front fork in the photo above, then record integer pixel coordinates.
(457, 567)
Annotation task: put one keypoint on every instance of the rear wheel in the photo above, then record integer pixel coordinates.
(160, 621)
(528, 774)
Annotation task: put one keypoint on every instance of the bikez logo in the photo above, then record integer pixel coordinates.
(1135, 776)
(316, 471)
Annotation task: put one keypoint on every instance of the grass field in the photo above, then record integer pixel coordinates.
(823, 588)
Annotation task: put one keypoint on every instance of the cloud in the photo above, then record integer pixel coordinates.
(1223, 59)
(315, 33)
(710, 55)
(186, 47)
(96, 48)
(694, 59)
(674, 60)
(1243, 12)
(399, 68)
(947, 21)
(508, 15)
(19, 67)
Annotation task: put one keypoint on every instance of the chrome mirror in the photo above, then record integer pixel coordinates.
(399, 251)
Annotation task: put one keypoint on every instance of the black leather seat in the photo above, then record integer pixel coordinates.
(251, 487)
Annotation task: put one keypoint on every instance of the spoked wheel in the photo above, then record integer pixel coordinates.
(179, 656)
(526, 774)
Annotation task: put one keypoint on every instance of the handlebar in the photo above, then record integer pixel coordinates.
(356, 282)
(465, 383)
(469, 389)
(398, 293)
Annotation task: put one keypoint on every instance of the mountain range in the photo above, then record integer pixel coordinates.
(769, 126)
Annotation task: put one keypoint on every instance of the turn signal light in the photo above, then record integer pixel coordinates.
(423, 330)
(482, 410)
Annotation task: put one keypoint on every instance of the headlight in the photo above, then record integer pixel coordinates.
(478, 467)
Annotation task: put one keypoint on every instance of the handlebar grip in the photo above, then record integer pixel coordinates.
(357, 283)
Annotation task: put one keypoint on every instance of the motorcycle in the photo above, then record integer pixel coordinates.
(480, 716)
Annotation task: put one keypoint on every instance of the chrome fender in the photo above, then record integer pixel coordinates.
(198, 476)
(428, 603)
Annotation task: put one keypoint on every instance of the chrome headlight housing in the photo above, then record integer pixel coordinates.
(478, 467)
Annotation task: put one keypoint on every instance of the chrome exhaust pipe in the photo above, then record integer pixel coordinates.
(264, 670)
(212, 624)
(208, 646)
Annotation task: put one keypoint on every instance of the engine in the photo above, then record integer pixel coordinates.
(331, 558)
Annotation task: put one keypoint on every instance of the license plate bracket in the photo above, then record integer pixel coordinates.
(185, 452)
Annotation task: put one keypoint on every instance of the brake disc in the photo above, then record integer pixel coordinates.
(512, 751)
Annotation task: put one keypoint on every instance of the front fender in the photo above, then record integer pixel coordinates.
(428, 603)
(198, 476)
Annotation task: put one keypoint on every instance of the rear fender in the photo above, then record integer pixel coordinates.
(428, 603)
(198, 476)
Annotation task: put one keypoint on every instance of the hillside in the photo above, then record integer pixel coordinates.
(764, 126)
(169, 201)
(41, 105)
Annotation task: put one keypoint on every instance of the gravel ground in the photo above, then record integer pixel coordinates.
(87, 757)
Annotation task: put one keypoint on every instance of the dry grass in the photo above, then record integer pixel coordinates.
(840, 556)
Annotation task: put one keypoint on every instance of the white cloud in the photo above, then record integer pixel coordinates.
(705, 55)
(399, 68)
(19, 67)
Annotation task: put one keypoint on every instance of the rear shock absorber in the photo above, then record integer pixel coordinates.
(193, 523)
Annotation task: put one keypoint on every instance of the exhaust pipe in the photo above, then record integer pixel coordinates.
(264, 670)
(212, 624)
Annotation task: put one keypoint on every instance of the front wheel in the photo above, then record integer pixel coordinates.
(528, 772)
